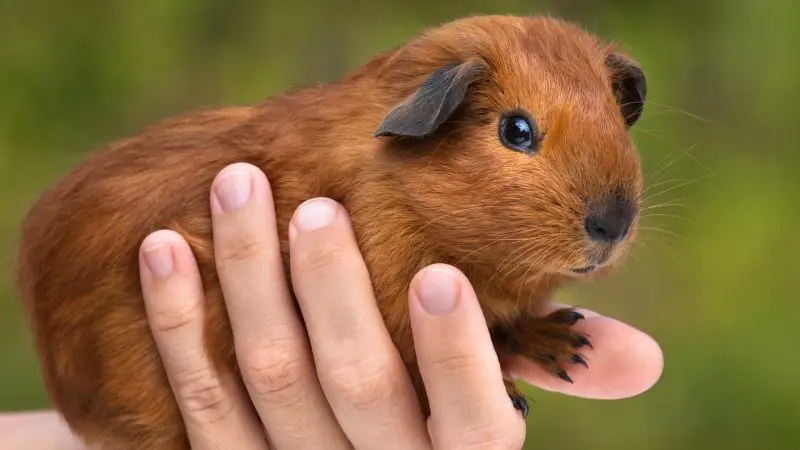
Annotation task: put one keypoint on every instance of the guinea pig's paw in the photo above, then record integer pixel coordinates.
(552, 342)
(518, 399)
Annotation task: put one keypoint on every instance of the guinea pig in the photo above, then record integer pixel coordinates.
(497, 144)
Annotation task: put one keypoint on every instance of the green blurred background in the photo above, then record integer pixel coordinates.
(710, 278)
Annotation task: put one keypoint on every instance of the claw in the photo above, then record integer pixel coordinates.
(563, 375)
(581, 341)
(520, 404)
(578, 359)
(547, 359)
(569, 317)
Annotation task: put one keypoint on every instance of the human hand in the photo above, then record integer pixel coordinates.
(341, 382)
(352, 390)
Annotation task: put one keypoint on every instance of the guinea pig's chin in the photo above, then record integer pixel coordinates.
(578, 271)
(595, 260)
(582, 271)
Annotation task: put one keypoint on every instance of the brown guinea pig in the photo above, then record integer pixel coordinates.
(497, 144)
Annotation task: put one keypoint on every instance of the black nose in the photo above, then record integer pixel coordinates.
(610, 221)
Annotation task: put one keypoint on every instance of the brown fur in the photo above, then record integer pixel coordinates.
(512, 222)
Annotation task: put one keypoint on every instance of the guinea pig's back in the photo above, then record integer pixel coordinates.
(78, 272)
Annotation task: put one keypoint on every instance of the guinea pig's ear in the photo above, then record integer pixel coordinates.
(420, 114)
(629, 86)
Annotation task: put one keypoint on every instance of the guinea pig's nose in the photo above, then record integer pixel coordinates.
(610, 221)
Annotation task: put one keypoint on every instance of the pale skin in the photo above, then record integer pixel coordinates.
(353, 390)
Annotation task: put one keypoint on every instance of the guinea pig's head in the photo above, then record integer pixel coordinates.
(509, 138)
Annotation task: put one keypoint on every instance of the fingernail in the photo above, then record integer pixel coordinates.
(159, 260)
(233, 190)
(437, 291)
(315, 214)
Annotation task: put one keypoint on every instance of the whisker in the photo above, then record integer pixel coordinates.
(653, 134)
(661, 230)
(673, 216)
(491, 242)
(447, 214)
(676, 202)
(520, 252)
(663, 246)
(686, 183)
(661, 170)
(661, 183)
(669, 108)
(522, 281)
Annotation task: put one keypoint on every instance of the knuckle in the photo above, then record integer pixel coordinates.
(323, 258)
(455, 363)
(203, 397)
(364, 383)
(275, 371)
(240, 249)
(171, 316)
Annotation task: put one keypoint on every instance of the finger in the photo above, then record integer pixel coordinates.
(213, 408)
(271, 345)
(624, 361)
(458, 363)
(359, 367)
(40, 430)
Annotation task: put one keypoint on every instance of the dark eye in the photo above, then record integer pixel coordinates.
(518, 132)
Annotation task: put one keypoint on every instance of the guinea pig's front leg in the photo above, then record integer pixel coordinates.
(550, 341)
(503, 340)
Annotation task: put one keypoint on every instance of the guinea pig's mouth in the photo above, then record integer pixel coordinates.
(584, 270)
(597, 259)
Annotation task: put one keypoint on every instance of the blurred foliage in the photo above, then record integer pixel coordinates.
(710, 279)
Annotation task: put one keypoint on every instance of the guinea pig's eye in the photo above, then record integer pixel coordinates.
(518, 132)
